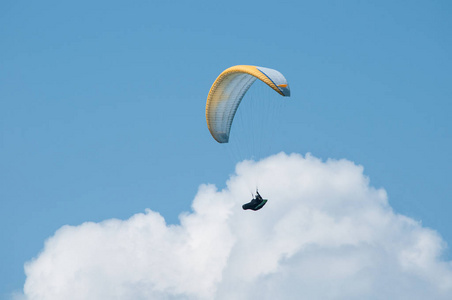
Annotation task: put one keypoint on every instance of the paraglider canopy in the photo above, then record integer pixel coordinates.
(228, 90)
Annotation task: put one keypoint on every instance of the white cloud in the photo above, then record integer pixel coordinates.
(324, 234)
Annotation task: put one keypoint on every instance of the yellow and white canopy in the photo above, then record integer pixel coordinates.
(228, 90)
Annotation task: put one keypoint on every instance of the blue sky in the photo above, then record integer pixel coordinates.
(102, 105)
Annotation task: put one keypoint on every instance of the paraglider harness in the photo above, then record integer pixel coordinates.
(256, 203)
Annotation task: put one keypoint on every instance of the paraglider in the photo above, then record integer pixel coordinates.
(256, 203)
(224, 99)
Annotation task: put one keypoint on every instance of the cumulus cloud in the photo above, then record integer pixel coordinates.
(324, 234)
